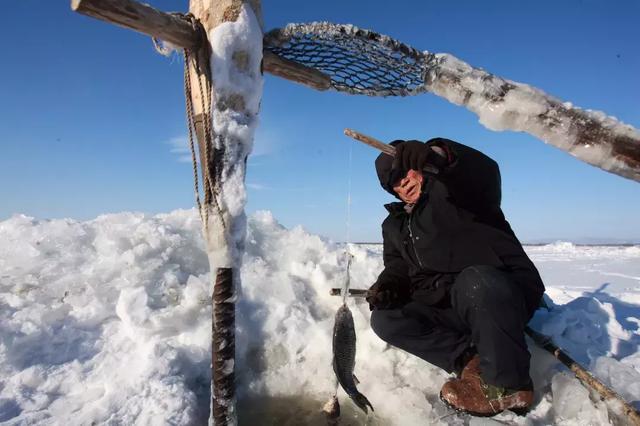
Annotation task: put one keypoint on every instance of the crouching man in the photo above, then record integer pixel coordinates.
(457, 289)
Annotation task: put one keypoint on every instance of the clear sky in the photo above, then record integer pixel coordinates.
(92, 119)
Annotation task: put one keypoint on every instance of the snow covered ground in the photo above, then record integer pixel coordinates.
(107, 322)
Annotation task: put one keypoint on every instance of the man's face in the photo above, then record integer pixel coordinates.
(410, 187)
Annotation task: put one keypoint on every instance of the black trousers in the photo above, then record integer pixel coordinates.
(487, 310)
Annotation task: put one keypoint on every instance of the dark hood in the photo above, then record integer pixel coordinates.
(386, 174)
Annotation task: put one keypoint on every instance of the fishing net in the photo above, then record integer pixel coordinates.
(357, 61)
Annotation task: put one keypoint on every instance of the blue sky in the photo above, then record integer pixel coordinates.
(90, 116)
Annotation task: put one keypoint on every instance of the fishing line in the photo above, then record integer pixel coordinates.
(345, 290)
(349, 173)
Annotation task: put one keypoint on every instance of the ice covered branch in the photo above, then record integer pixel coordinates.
(500, 104)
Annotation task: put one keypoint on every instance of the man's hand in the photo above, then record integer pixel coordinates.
(411, 155)
(415, 155)
(379, 297)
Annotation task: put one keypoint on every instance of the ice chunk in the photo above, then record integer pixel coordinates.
(572, 405)
(620, 376)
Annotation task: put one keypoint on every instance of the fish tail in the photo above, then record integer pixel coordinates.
(362, 402)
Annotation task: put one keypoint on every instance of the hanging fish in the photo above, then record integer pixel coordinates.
(344, 356)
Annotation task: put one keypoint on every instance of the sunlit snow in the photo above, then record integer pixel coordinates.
(107, 321)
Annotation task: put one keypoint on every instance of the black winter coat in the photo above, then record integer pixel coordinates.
(456, 223)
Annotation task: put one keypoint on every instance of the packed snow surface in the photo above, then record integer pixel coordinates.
(107, 322)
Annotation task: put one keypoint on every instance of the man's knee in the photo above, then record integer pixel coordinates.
(382, 324)
(482, 285)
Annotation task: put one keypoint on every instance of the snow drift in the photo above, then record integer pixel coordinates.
(108, 321)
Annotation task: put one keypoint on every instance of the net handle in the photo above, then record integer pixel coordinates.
(372, 142)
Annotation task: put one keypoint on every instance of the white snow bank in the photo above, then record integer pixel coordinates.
(99, 320)
(108, 321)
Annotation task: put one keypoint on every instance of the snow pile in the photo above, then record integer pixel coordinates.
(102, 321)
(108, 321)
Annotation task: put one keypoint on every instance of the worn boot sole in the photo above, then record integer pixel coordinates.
(522, 411)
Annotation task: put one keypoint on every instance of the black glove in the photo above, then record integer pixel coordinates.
(375, 296)
(380, 297)
(417, 155)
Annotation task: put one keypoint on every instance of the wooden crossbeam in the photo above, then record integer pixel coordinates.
(142, 18)
(179, 32)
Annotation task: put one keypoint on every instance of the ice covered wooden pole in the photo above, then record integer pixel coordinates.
(360, 61)
(501, 104)
(234, 32)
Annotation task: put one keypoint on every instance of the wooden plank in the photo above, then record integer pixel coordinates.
(142, 18)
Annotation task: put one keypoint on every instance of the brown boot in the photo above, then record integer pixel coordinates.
(463, 361)
(472, 368)
(475, 397)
